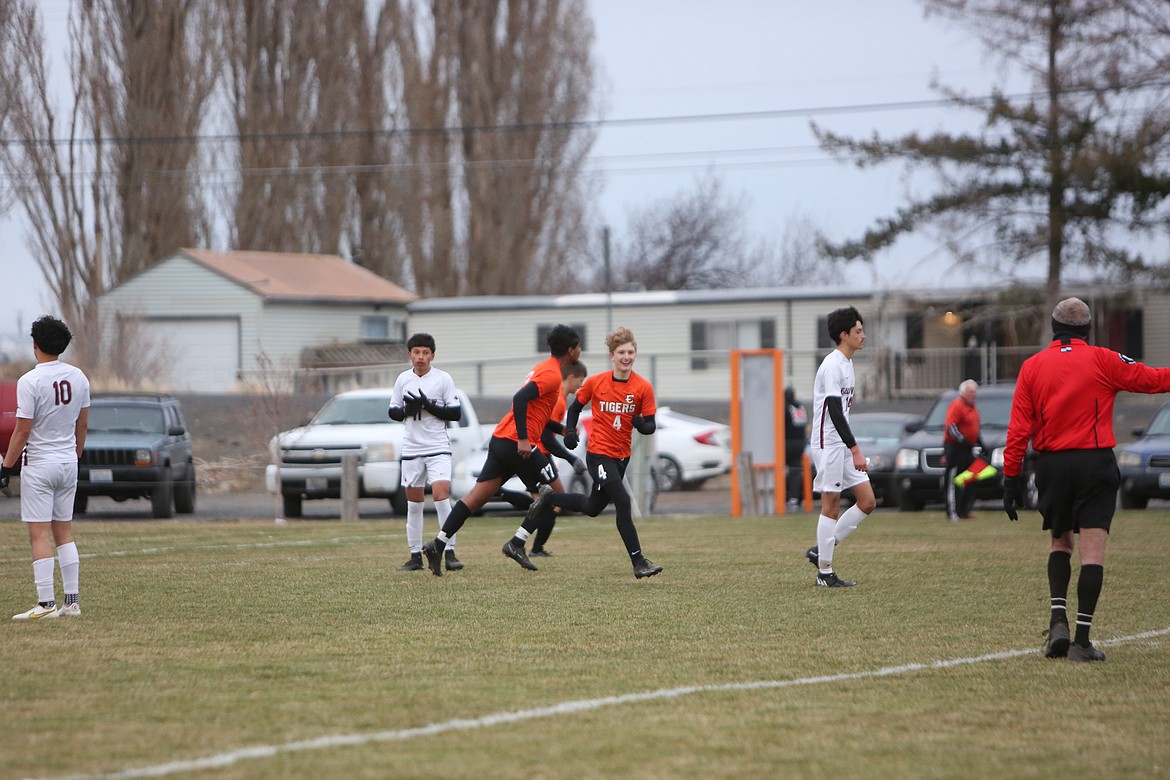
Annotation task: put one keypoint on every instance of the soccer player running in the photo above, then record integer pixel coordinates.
(550, 444)
(510, 450)
(52, 414)
(424, 398)
(621, 401)
(1063, 404)
(839, 462)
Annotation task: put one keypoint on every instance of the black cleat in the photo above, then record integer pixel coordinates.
(453, 563)
(538, 503)
(1084, 653)
(434, 558)
(831, 580)
(813, 556)
(517, 554)
(414, 564)
(540, 553)
(644, 567)
(1057, 644)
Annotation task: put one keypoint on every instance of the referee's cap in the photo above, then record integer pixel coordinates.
(1073, 312)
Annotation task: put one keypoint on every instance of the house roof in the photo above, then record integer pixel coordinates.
(288, 276)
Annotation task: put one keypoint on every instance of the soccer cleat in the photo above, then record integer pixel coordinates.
(1057, 644)
(1084, 653)
(813, 556)
(538, 503)
(644, 567)
(414, 564)
(517, 554)
(434, 558)
(453, 563)
(38, 613)
(540, 553)
(831, 580)
(71, 610)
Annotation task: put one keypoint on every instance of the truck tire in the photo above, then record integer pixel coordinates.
(398, 502)
(161, 500)
(185, 492)
(293, 506)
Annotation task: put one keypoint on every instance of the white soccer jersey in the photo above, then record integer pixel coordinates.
(52, 395)
(425, 433)
(834, 378)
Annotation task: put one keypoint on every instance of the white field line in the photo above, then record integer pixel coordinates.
(331, 541)
(564, 708)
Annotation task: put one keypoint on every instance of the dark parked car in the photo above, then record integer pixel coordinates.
(1145, 464)
(137, 446)
(920, 467)
(880, 434)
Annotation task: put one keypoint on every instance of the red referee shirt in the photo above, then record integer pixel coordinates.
(1064, 398)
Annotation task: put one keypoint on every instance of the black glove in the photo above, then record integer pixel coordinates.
(1013, 497)
(571, 439)
(579, 467)
(412, 403)
(7, 473)
(425, 402)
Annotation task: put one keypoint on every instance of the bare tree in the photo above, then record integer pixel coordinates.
(493, 94)
(693, 241)
(1074, 173)
(105, 188)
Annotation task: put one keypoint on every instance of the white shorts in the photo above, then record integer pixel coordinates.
(835, 470)
(427, 470)
(46, 491)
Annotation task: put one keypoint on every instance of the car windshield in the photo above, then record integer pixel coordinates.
(994, 411)
(355, 410)
(1160, 425)
(126, 419)
(877, 431)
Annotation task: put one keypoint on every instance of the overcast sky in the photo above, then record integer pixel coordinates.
(848, 64)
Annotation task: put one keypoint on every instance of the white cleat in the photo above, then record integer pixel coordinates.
(71, 610)
(38, 613)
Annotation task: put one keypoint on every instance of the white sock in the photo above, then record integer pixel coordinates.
(414, 525)
(442, 509)
(849, 522)
(43, 577)
(826, 542)
(70, 563)
(522, 534)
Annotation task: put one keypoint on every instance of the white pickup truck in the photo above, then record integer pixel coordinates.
(306, 461)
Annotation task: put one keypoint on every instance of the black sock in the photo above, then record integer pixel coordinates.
(1088, 591)
(48, 604)
(1059, 575)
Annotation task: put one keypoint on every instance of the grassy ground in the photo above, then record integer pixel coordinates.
(204, 641)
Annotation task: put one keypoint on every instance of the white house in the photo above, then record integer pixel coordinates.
(219, 318)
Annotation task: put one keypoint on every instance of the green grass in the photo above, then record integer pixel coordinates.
(203, 638)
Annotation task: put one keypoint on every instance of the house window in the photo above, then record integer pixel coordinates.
(382, 328)
(543, 330)
(726, 335)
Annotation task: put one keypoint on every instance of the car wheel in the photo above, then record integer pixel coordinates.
(185, 492)
(1132, 500)
(667, 473)
(80, 503)
(398, 502)
(908, 503)
(293, 504)
(160, 500)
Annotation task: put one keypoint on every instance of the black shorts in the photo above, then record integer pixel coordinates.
(503, 461)
(1078, 489)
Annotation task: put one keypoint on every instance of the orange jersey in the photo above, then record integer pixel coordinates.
(615, 404)
(558, 415)
(547, 376)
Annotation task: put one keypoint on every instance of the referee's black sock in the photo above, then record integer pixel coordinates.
(1088, 591)
(1059, 575)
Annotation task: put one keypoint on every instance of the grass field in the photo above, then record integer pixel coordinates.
(249, 650)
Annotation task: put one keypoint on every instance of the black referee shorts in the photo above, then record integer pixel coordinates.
(1078, 489)
(503, 461)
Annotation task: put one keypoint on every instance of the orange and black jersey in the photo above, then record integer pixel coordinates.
(558, 416)
(547, 378)
(615, 403)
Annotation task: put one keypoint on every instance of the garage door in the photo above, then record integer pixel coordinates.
(203, 355)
